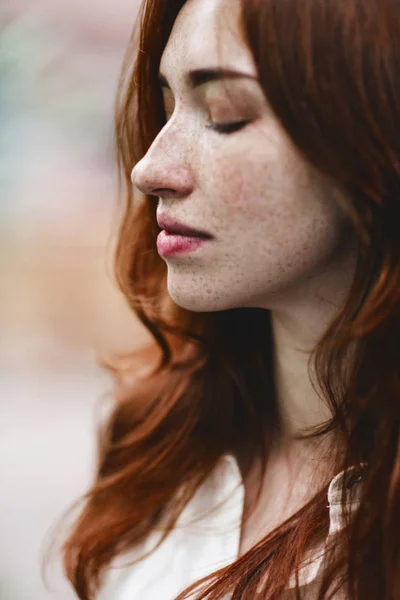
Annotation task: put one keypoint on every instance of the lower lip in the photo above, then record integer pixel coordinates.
(169, 244)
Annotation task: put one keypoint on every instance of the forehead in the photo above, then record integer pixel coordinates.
(206, 33)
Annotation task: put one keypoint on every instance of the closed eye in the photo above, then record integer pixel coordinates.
(227, 128)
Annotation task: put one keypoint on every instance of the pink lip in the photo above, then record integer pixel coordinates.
(169, 244)
(173, 227)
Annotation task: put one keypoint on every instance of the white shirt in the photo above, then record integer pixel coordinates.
(204, 540)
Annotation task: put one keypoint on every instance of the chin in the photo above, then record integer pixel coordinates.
(199, 301)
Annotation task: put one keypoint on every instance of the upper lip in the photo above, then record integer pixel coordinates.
(171, 226)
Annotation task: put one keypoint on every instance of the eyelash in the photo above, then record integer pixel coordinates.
(227, 128)
(223, 128)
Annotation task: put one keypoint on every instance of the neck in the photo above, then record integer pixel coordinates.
(300, 405)
(298, 323)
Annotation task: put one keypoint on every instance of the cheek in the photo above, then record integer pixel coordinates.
(267, 199)
(242, 185)
(262, 179)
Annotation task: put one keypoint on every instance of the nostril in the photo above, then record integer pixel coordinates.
(165, 192)
(172, 181)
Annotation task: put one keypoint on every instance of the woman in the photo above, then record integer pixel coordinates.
(260, 458)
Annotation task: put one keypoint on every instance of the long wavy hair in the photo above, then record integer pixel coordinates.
(331, 73)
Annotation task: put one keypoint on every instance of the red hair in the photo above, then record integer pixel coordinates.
(331, 73)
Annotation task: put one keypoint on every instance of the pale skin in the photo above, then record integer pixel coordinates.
(281, 238)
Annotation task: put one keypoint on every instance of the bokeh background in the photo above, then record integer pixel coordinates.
(59, 305)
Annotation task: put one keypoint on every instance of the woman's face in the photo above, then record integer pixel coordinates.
(278, 233)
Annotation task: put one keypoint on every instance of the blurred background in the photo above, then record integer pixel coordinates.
(59, 65)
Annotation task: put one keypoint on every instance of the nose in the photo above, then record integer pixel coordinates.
(160, 174)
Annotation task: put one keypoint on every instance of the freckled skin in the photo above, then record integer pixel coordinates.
(282, 240)
(280, 234)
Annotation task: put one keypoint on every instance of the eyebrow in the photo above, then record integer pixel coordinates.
(199, 77)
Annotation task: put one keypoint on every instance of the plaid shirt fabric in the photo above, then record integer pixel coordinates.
(206, 537)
